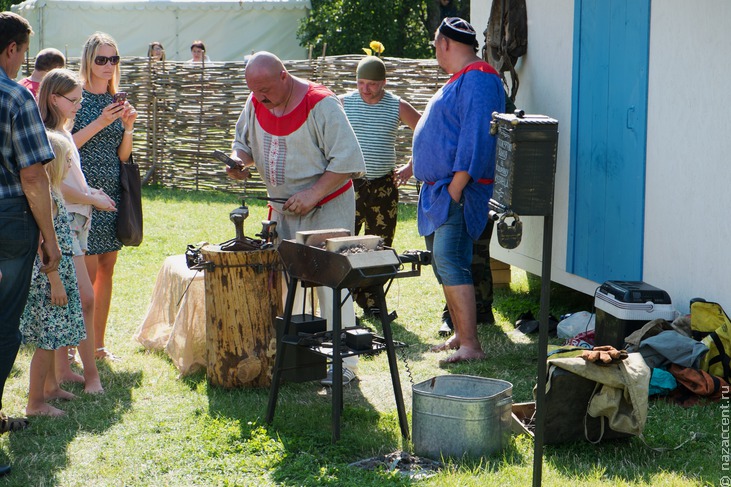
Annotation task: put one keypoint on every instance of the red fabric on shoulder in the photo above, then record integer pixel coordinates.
(285, 125)
(476, 66)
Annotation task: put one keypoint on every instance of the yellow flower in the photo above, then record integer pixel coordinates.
(377, 47)
(367, 51)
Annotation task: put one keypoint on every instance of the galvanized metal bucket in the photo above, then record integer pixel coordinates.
(461, 415)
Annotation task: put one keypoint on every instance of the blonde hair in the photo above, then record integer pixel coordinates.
(56, 82)
(63, 150)
(91, 48)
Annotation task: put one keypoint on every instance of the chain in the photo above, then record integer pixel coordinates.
(210, 266)
(187, 287)
(402, 352)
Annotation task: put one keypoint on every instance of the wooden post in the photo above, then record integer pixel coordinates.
(243, 298)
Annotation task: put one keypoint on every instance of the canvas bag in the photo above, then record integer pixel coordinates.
(710, 324)
(129, 209)
(620, 398)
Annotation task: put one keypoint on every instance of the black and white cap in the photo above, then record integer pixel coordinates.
(459, 30)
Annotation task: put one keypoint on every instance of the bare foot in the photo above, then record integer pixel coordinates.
(70, 376)
(58, 394)
(44, 409)
(463, 355)
(94, 387)
(451, 344)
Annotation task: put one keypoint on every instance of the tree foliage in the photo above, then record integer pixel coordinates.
(405, 27)
(5, 4)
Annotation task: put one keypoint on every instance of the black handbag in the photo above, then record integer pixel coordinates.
(129, 210)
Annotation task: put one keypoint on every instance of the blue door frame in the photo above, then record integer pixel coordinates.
(608, 146)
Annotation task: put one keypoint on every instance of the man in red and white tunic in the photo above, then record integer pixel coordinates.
(297, 135)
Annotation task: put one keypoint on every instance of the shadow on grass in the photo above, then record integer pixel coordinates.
(303, 427)
(44, 445)
(512, 303)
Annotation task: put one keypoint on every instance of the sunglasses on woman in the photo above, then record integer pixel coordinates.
(102, 60)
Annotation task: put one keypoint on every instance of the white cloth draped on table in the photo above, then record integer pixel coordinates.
(176, 319)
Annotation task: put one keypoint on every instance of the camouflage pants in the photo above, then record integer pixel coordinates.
(481, 272)
(376, 209)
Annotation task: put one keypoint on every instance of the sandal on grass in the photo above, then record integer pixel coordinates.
(12, 424)
(102, 353)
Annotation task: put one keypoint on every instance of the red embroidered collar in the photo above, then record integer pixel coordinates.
(289, 123)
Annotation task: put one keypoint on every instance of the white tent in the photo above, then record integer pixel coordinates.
(230, 29)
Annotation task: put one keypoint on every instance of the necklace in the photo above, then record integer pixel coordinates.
(286, 103)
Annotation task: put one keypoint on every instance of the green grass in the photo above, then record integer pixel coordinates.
(153, 428)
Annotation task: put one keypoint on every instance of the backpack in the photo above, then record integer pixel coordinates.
(710, 324)
(506, 39)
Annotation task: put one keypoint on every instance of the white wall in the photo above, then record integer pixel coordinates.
(687, 247)
(688, 205)
(545, 88)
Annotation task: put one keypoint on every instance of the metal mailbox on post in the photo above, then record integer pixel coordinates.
(525, 162)
(525, 169)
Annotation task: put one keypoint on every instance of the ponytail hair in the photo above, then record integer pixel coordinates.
(57, 168)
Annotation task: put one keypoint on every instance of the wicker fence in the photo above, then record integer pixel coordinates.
(187, 112)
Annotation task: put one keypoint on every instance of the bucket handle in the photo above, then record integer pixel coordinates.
(504, 401)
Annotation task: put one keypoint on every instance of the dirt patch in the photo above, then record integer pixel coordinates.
(403, 462)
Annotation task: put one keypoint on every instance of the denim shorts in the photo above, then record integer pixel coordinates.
(79, 233)
(451, 248)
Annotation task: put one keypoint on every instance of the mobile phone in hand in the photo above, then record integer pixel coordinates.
(119, 97)
(221, 156)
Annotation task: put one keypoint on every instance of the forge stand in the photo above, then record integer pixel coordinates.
(316, 267)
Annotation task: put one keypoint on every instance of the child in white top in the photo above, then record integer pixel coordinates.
(59, 98)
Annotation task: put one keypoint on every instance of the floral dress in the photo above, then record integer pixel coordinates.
(42, 324)
(100, 165)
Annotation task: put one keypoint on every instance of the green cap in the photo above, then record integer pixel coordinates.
(372, 68)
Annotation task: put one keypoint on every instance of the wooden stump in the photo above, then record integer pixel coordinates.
(243, 298)
(501, 275)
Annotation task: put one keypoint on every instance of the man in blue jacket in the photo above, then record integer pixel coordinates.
(454, 155)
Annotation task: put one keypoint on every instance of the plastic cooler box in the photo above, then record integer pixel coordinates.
(623, 307)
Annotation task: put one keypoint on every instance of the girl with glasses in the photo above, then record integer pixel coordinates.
(156, 52)
(60, 97)
(103, 133)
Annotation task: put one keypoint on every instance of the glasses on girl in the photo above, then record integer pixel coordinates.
(102, 60)
(76, 102)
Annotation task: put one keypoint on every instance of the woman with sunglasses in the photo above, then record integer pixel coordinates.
(103, 133)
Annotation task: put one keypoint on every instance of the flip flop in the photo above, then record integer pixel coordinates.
(527, 316)
(102, 353)
(528, 326)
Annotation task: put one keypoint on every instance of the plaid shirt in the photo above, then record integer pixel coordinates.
(23, 140)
